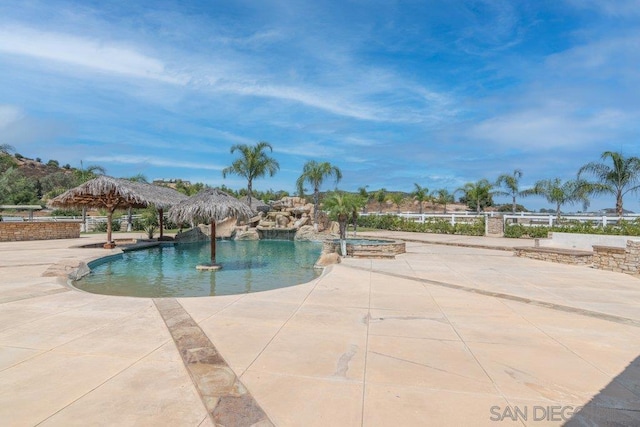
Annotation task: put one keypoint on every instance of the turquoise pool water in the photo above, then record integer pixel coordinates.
(248, 266)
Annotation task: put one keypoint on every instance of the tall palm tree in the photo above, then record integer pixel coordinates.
(562, 193)
(381, 197)
(315, 173)
(510, 182)
(396, 199)
(253, 163)
(477, 195)
(443, 197)
(619, 179)
(341, 207)
(364, 194)
(421, 194)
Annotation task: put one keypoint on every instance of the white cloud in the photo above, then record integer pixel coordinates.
(154, 161)
(100, 55)
(532, 130)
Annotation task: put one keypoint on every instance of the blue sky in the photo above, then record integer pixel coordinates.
(393, 92)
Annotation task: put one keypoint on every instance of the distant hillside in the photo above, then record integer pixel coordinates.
(38, 170)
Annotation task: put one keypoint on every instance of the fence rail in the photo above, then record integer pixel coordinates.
(533, 220)
(524, 218)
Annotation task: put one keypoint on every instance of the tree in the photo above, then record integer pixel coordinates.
(477, 195)
(6, 149)
(510, 182)
(362, 192)
(381, 197)
(17, 189)
(421, 194)
(619, 179)
(396, 199)
(561, 193)
(314, 173)
(341, 207)
(83, 174)
(443, 197)
(253, 163)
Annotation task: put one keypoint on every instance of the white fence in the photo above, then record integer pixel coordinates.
(90, 223)
(536, 220)
(524, 218)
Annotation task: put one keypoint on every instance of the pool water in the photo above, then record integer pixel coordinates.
(170, 271)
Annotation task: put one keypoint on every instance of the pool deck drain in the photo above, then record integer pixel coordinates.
(227, 400)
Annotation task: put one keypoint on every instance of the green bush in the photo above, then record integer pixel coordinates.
(623, 228)
(431, 225)
(102, 226)
(66, 212)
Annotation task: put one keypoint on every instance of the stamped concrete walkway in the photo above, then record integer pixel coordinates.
(442, 335)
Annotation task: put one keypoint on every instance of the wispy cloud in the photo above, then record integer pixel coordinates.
(154, 161)
(100, 55)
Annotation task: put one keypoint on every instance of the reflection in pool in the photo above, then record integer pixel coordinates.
(169, 271)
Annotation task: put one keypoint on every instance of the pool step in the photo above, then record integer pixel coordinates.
(374, 254)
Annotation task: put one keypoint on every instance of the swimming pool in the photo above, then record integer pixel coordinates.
(169, 271)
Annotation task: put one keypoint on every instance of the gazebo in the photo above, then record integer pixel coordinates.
(105, 192)
(210, 205)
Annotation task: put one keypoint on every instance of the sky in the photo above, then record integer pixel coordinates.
(434, 92)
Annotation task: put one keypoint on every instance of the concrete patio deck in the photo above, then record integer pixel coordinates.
(442, 335)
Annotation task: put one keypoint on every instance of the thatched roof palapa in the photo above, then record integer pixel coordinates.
(208, 204)
(116, 193)
(211, 205)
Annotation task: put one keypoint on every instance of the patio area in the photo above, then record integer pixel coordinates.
(442, 335)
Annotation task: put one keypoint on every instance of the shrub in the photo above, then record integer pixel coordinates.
(623, 228)
(102, 226)
(431, 225)
(66, 212)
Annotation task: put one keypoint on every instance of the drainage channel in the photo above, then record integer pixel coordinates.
(227, 400)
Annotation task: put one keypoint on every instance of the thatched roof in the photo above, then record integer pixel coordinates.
(115, 193)
(208, 204)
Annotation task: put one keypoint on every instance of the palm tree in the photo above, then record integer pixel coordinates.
(362, 192)
(442, 197)
(315, 173)
(396, 199)
(342, 207)
(621, 178)
(510, 182)
(83, 174)
(562, 193)
(421, 194)
(477, 195)
(253, 163)
(381, 197)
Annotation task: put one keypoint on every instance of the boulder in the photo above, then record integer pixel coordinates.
(328, 259)
(193, 235)
(300, 222)
(306, 232)
(282, 221)
(226, 228)
(250, 234)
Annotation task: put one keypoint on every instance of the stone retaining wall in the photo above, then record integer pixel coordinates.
(563, 256)
(622, 260)
(19, 231)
